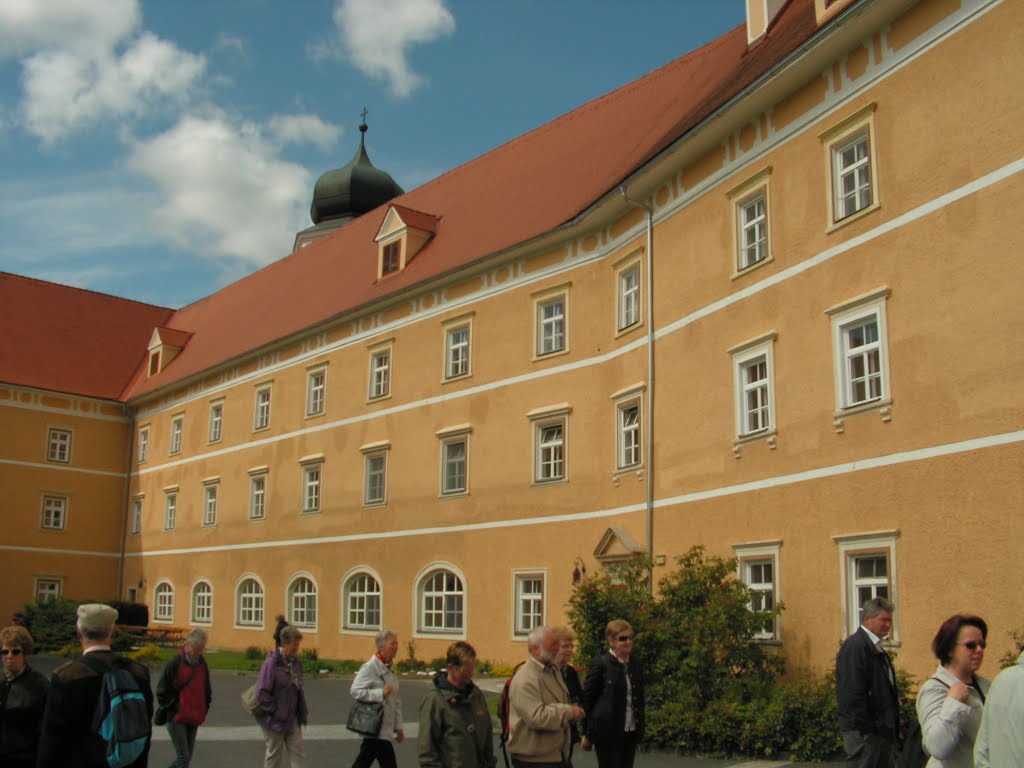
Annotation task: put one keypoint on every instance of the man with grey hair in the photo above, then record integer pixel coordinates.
(184, 696)
(866, 690)
(377, 682)
(539, 708)
(68, 739)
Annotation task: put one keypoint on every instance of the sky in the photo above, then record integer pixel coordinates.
(160, 150)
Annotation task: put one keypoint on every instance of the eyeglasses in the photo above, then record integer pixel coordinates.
(973, 645)
(624, 638)
(11, 651)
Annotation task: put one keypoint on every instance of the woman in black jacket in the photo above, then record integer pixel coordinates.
(613, 697)
(22, 700)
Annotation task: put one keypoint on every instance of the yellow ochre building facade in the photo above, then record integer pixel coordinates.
(765, 299)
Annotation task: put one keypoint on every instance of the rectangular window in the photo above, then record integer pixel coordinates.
(529, 602)
(551, 325)
(868, 563)
(629, 297)
(456, 352)
(170, 511)
(261, 418)
(316, 391)
(59, 446)
(47, 589)
(454, 455)
(210, 505)
(753, 230)
(375, 484)
(137, 515)
(216, 421)
(870, 578)
(363, 602)
(628, 434)
(850, 153)
(861, 359)
(550, 451)
(380, 373)
(758, 566)
(143, 444)
(258, 497)
(311, 476)
(55, 509)
(391, 258)
(177, 426)
(753, 377)
(202, 604)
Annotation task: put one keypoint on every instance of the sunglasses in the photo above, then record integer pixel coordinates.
(973, 645)
(11, 651)
(624, 638)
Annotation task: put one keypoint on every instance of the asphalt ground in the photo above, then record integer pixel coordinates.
(231, 739)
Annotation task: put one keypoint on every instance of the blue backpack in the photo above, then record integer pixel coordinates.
(121, 719)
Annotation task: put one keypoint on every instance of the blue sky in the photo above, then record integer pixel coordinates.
(160, 150)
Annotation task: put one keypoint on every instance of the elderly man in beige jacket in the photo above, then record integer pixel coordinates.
(540, 712)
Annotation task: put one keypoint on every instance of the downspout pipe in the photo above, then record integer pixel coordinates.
(126, 503)
(649, 410)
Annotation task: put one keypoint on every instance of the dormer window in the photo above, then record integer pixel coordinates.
(402, 235)
(389, 261)
(154, 363)
(164, 346)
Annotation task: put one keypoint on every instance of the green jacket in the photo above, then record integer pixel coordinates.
(455, 728)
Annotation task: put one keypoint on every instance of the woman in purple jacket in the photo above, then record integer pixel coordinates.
(283, 703)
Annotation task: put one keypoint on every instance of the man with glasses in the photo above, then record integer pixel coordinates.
(866, 690)
(455, 726)
(539, 708)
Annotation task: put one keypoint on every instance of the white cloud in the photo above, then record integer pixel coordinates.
(231, 43)
(225, 190)
(302, 129)
(83, 26)
(65, 91)
(377, 34)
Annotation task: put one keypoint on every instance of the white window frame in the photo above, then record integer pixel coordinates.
(143, 444)
(846, 316)
(170, 508)
(216, 427)
(458, 355)
(744, 357)
(58, 445)
(849, 131)
(258, 494)
(211, 493)
(550, 453)
(300, 604)
(754, 189)
(250, 602)
(201, 603)
(163, 602)
(382, 361)
(177, 431)
(426, 579)
(47, 587)
(552, 332)
(629, 438)
(316, 392)
(54, 512)
(449, 438)
(137, 504)
(372, 453)
(261, 410)
(748, 555)
(628, 298)
(852, 547)
(538, 600)
(358, 602)
(312, 485)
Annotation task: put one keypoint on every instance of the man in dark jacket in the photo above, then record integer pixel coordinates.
(184, 696)
(866, 690)
(68, 738)
(455, 726)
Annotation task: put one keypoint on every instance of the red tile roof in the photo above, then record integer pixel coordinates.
(424, 222)
(529, 186)
(70, 340)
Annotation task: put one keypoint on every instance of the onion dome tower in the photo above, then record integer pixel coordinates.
(346, 193)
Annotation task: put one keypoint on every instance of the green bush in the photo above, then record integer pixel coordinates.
(131, 614)
(255, 653)
(70, 650)
(147, 653)
(310, 654)
(52, 623)
(1009, 658)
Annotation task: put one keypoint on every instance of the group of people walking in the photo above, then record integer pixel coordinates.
(965, 721)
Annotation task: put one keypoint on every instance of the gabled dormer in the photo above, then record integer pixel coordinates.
(401, 236)
(164, 346)
(760, 15)
(616, 546)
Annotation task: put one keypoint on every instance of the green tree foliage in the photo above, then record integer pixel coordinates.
(52, 623)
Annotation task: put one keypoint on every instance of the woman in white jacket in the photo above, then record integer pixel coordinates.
(949, 704)
(376, 681)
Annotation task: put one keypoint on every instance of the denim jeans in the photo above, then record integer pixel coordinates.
(183, 737)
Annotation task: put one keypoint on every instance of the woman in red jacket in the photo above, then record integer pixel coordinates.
(184, 696)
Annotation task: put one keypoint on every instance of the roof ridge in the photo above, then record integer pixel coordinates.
(84, 290)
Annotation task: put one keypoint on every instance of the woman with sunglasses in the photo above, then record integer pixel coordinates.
(949, 704)
(613, 698)
(22, 700)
